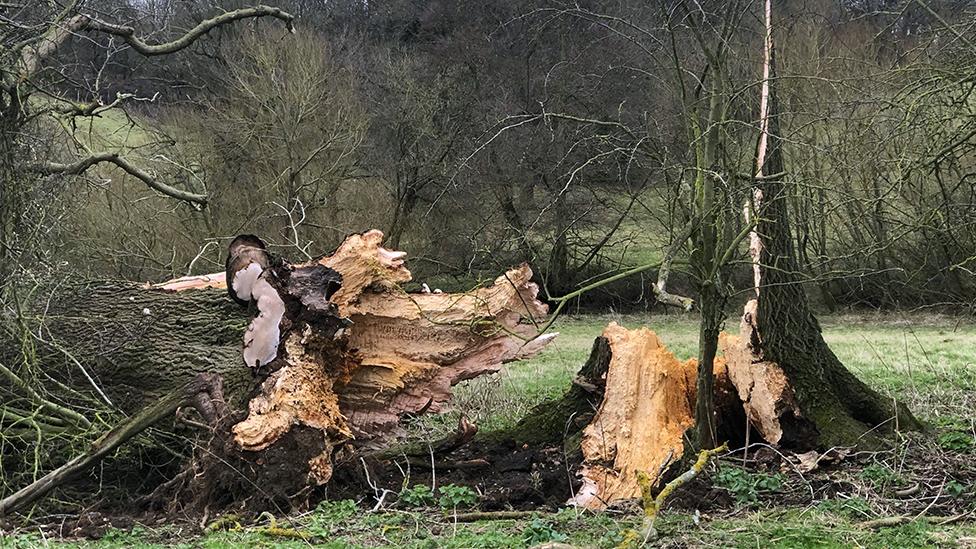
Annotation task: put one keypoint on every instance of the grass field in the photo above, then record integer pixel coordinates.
(929, 362)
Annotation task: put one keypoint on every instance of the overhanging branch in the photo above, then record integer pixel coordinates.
(82, 165)
(33, 54)
(128, 33)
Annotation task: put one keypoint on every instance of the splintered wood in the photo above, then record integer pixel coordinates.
(763, 387)
(400, 353)
(647, 407)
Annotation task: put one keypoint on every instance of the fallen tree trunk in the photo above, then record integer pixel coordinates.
(335, 355)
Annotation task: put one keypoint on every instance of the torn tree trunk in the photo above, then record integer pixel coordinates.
(324, 358)
(400, 354)
(642, 422)
(355, 359)
(561, 420)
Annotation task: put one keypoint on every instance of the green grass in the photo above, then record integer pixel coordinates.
(332, 525)
(929, 361)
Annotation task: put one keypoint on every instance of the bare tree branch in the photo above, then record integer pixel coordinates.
(31, 56)
(128, 33)
(79, 167)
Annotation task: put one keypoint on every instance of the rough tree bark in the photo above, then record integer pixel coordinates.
(796, 392)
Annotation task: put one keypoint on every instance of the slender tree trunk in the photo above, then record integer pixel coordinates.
(9, 205)
(711, 320)
(401, 214)
(560, 280)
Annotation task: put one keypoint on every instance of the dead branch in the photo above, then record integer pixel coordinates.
(492, 515)
(660, 288)
(652, 506)
(189, 394)
(462, 435)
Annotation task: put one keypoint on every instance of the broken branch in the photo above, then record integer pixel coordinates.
(652, 506)
(186, 395)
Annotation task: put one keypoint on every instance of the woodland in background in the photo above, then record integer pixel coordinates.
(482, 135)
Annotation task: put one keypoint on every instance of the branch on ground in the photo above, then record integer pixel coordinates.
(189, 394)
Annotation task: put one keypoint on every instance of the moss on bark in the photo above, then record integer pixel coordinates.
(560, 420)
(840, 407)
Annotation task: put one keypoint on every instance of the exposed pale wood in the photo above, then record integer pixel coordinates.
(358, 356)
(648, 405)
(196, 282)
(762, 385)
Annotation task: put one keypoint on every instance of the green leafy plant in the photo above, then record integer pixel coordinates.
(956, 441)
(418, 495)
(329, 515)
(955, 489)
(338, 510)
(453, 497)
(856, 507)
(745, 486)
(541, 531)
(446, 497)
(880, 475)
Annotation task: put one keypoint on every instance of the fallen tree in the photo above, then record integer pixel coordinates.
(328, 356)
(336, 354)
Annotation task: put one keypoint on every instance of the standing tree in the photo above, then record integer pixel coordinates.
(812, 398)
